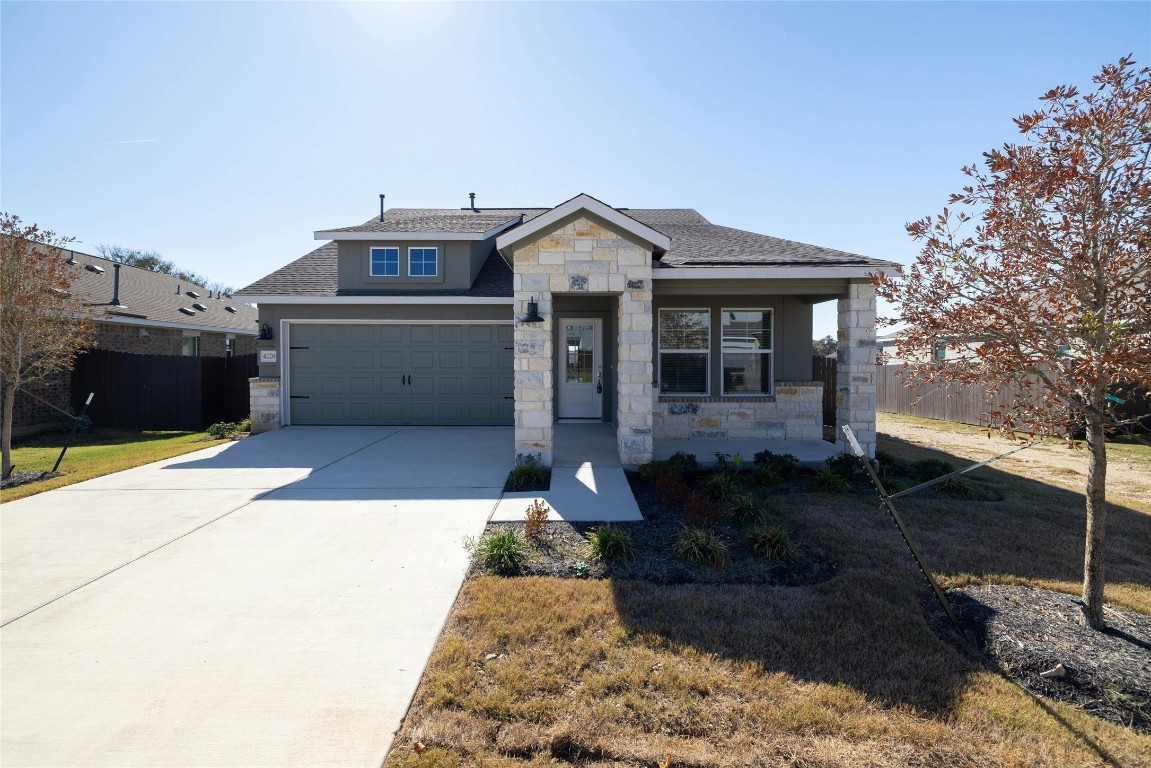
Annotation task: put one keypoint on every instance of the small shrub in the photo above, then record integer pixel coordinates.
(671, 488)
(885, 459)
(772, 541)
(744, 509)
(700, 512)
(683, 463)
(528, 474)
(765, 476)
(246, 425)
(223, 429)
(721, 486)
(784, 464)
(828, 481)
(611, 544)
(536, 521)
(929, 469)
(697, 545)
(956, 486)
(894, 485)
(845, 465)
(503, 552)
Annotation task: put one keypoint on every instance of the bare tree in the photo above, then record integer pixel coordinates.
(42, 326)
(1051, 292)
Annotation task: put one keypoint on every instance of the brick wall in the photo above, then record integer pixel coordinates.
(31, 413)
(128, 338)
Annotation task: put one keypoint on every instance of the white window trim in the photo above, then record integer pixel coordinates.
(770, 352)
(424, 248)
(706, 352)
(372, 262)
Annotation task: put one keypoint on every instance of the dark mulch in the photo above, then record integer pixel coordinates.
(26, 477)
(1023, 632)
(563, 551)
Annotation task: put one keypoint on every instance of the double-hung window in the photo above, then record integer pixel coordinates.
(747, 351)
(385, 262)
(684, 350)
(423, 262)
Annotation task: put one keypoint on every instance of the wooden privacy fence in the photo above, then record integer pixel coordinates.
(162, 392)
(823, 369)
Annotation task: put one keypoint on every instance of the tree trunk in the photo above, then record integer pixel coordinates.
(8, 413)
(1096, 527)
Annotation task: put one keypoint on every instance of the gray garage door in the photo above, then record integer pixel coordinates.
(401, 374)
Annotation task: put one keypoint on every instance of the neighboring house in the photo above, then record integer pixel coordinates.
(143, 312)
(888, 352)
(656, 320)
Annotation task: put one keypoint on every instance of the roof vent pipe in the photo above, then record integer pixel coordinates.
(472, 200)
(381, 207)
(116, 286)
(71, 258)
(178, 289)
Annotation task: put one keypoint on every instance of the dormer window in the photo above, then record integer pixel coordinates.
(423, 262)
(385, 262)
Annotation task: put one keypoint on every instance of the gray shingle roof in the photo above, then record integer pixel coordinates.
(147, 295)
(695, 242)
(464, 221)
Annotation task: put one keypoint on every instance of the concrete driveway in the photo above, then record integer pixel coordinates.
(271, 602)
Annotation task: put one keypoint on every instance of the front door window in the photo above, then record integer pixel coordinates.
(581, 361)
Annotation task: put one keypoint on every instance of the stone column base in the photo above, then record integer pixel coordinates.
(265, 403)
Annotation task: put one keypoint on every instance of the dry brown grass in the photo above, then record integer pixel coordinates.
(843, 673)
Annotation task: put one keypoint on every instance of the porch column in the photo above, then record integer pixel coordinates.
(534, 360)
(855, 367)
(634, 418)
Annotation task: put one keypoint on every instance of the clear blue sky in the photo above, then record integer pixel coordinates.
(255, 124)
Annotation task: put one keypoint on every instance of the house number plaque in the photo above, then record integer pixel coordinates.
(267, 355)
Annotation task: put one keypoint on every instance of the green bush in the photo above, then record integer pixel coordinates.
(611, 544)
(885, 459)
(894, 485)
(829, 481)
(845, 465)
(784, 464)
(765, 476)
(683, 463)
(956, 486)
(503, 552)
(700, 546)
(745, 509)
(528, 474)
(721, 486)
(223, 429)
(772, 541)
(929, 469)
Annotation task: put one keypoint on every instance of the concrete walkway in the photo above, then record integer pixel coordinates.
(266, 603)
(588, 483)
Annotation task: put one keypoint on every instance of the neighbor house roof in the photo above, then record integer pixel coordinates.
(152, 297)
(691, 241)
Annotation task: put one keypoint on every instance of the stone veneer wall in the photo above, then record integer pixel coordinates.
(794, 413)
(855, 367)
(265, 403)
(583, 257)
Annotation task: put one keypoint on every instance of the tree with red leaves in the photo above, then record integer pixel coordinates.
(42, 325)
(1042, 279)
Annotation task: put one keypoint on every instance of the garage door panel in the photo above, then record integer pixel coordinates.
(365, 374)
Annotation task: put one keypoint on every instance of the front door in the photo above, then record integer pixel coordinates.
(580, 368)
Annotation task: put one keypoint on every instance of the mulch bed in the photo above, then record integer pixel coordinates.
(26, 477)
(1023, 632)
(563, 551)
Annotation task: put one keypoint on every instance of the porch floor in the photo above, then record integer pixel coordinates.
(588, 483)
(811, 453)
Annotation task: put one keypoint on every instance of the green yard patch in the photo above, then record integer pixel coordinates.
(854, 669)
(95, 453)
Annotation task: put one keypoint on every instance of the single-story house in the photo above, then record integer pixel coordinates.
(140, 312)
(657, 321)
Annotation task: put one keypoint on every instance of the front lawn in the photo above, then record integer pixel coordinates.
(95, 453)
(851, 670)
